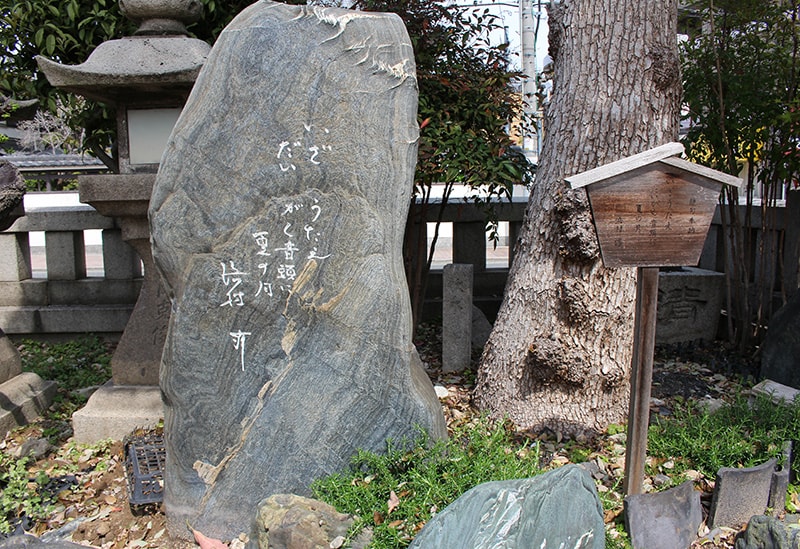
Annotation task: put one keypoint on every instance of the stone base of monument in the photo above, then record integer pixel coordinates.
(24, 397)
(114, 411)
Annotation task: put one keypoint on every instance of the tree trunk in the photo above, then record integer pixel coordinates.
(559, 355)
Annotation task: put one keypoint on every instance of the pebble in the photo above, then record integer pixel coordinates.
(441, 392)
(661, 480)
(691, 474)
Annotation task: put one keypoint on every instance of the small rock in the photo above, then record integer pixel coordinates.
(284, 521)
(34, 448)
(691, 474)
(441, 392)
(710, 405)
(763, 533)
(619, 438)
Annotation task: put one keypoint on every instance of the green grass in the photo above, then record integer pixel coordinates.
(739, 434)
(425, 479)
(83, 362)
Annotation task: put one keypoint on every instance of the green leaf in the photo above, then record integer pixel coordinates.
(50, 44)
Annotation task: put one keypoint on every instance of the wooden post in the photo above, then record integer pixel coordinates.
(644, 339)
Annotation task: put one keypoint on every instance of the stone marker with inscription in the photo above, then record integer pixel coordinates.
(277, 223)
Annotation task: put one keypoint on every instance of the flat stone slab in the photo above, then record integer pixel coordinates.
(664, 520)
(277, 222)
(740, 493)
(24, 398)
(777, 392)
(115, 411)
(557, 509)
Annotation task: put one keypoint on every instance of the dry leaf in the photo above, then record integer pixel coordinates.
(395, 523)
(610, 515)
(377, 518)
(393, 502)
(206, 542)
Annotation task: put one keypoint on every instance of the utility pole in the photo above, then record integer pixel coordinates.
(530, 12)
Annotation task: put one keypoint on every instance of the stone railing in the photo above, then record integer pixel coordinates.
(67, 286)
(59, 288)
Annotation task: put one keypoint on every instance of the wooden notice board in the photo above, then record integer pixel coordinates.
(650, 210)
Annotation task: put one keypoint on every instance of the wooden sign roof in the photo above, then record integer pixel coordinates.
(652, 209)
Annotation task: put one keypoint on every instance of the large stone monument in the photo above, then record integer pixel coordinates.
(277, 222)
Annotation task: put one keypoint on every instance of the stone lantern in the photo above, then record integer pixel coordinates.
(147, 79)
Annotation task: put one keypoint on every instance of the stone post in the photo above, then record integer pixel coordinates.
(457, 317)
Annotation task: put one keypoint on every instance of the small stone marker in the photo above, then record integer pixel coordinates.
(456, 317)
(277, 223)
(740, 493)
(557, 509)
(665, 520)
(777, 392)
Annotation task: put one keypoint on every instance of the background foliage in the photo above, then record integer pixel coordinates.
(740, 68)
(468, 103)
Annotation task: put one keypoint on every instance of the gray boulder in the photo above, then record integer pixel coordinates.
(277, 221)
(780, 353)
(558, 509)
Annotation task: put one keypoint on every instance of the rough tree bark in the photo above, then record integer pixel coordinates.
(559, 355)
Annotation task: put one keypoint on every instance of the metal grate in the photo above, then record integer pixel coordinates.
(144, 467)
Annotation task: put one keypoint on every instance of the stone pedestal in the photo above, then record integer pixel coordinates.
(151, 72)
(132, 399)
(114, 411)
